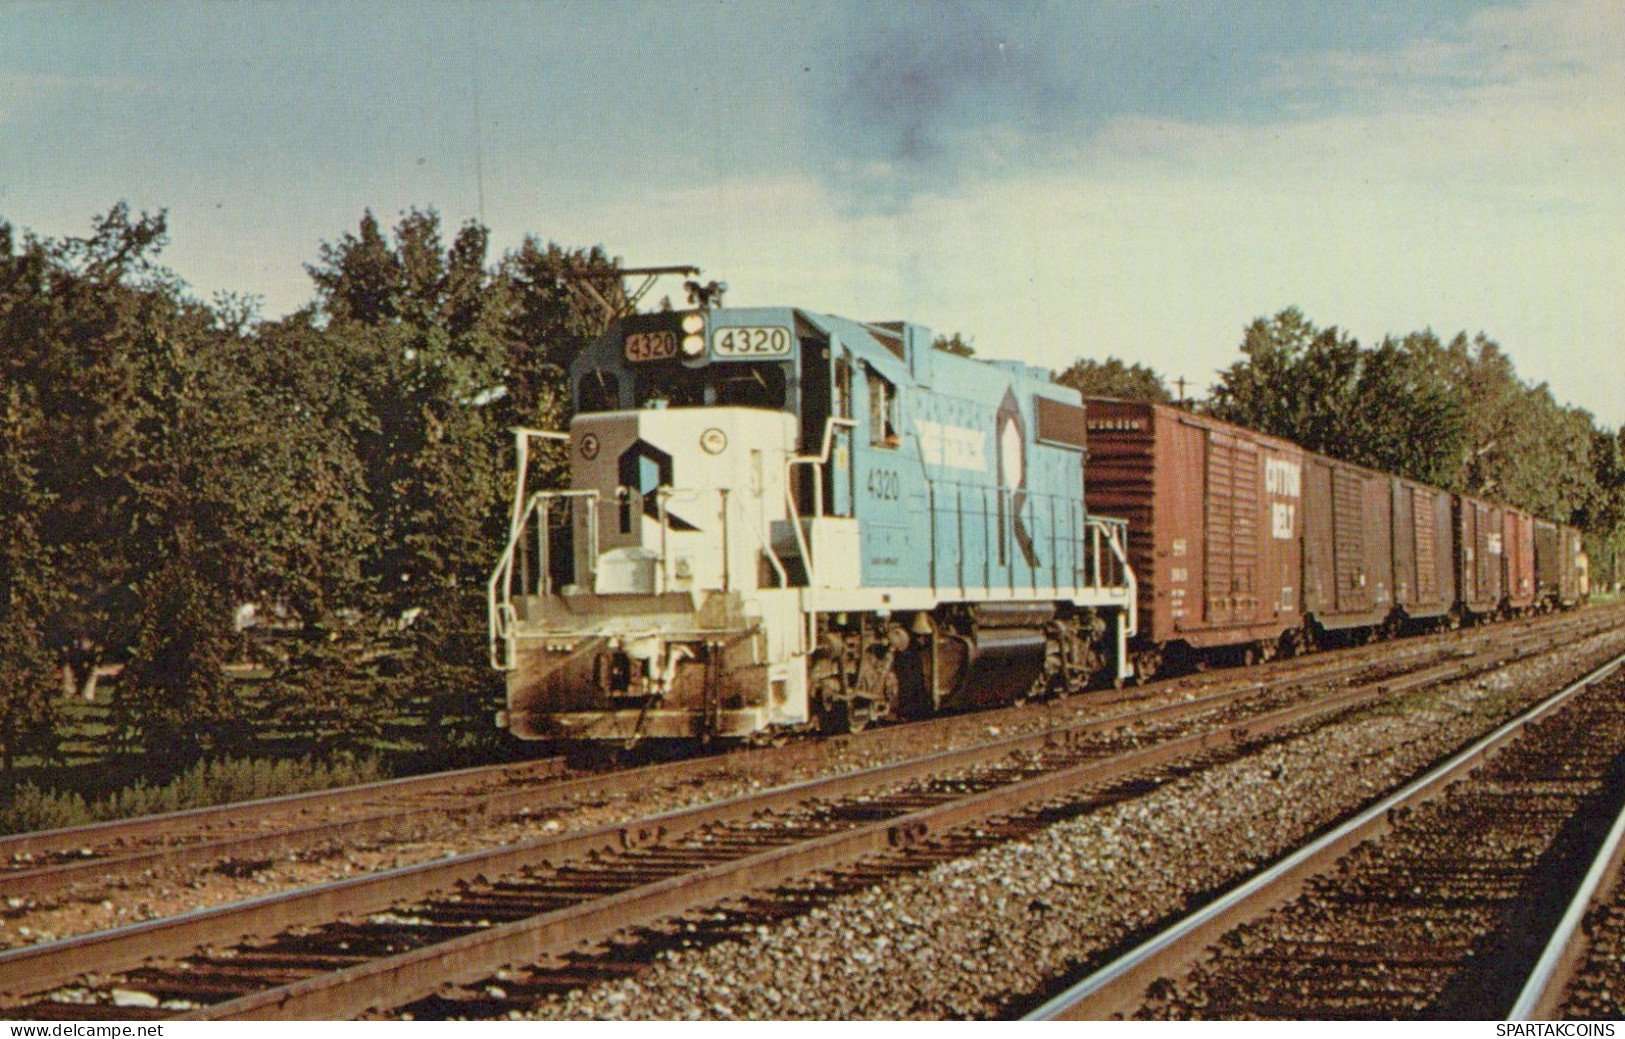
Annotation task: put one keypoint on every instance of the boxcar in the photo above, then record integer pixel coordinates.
(1575, 584)
(1480, 576)
(1214, 521)
(1424, 575)
(1348, 545)
(1558, 563)
(1518, 559)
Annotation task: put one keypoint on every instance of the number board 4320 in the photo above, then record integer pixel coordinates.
(650, 346)
(751, 341)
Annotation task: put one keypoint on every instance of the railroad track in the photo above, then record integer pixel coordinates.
(84, 861)
(1455, 897)
(405, 934)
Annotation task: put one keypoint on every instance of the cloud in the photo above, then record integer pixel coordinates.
(937, 95)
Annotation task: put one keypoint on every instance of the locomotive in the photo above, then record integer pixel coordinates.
(777, 518)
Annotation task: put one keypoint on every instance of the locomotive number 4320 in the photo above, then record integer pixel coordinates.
(751, 342)
(885, 484)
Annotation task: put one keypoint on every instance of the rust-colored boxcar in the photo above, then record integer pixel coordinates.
(1557, 564)
(1215, 519)
(1480, 575)
(1575, 585)
(1424, 570)
(1518, 559)
(1348, 544)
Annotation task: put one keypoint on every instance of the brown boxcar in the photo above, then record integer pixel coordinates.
(1557, 564)
(1576, 581)
(1348, 544)
(1424, 570)
(1480, 577)
(1518, 559)
(1548, 563)
(1215, 519)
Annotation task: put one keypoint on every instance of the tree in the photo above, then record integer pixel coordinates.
(1456, 416)
(27, 705)
(1398, 408)
(1407, 416)
(172, 698)
(1114, 379)
(956, 345)
(76, 314)
(550, 317)
(422, 326)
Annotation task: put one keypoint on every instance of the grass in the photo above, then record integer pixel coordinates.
(32, 808)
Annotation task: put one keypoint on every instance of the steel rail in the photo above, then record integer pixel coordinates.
(59, 877)
(117, 831)
(400, 979)
(1548, 984)
(39, 968)
(1117, 988)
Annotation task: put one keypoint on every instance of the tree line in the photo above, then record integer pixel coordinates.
(165, 460)
(1453, 414)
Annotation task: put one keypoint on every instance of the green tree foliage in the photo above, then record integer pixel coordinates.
(956, 344)
(1112, 378)
(423, 331)
(27, 707)
(556, 301)
(448, 353)
(73, 316)
(1455, 415)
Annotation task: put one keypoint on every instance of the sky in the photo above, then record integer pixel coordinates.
(1050, 180)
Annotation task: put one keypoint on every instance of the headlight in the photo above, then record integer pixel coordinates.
(693, 334)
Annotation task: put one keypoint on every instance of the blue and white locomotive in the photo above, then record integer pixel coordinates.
(778, 519)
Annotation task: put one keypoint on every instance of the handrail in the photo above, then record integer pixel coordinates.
(1116, 533)
(499, 590)
(500, 617)
(816, 462)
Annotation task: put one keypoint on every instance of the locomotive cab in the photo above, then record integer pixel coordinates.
(656, 597)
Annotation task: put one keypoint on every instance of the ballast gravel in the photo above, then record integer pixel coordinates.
(981, 936)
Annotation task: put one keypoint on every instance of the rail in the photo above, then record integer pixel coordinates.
(349, 988)
(1549, 981)
(500, 616)
(1116, 987)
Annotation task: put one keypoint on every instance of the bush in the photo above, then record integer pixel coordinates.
(206, 783)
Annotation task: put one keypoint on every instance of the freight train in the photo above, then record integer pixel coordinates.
(1249, 546)
(778, 519)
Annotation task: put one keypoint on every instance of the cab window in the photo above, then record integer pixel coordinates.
(882, 411)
